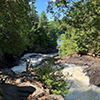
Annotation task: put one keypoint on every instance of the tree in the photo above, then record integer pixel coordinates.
(82, 16)
(47, 34)
(34, 19)
(14, 26)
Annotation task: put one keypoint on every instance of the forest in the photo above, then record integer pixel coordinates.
(21, 28)
(81, 18)
(27, 39)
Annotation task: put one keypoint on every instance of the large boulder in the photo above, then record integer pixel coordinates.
(94, 74)
(9, 92)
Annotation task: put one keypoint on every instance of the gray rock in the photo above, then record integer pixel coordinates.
(9, 91)
(9, 72)
(29, 89)
(35, 99)
(1, 97)
(39, 91)
(29, 76)
(54, 97)
(23, 94)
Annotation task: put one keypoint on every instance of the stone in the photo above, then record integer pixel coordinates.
(29, 89)
(23, 94)
(30, 97)
(54, 97)
(1, 97)
(39, 91)
(29, 76)
(94, 73)
(9, 91)
(9, 72)
(17, 81)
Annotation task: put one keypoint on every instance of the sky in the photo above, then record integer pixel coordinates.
(41, 5)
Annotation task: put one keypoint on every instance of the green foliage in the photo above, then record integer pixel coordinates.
(69, 46)
(82, 28)
(57, 26)
(20, 27)
(46, 33)
(52, 77)
(14, 26)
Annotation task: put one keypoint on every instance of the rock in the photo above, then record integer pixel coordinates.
(26, 88)
(30, 97)
(90, 54)
(54, 97)
(35, 99)
(9, 91)
(23, 94)
(39, 91)
(38, 49)
(1, 97)
(9, 72)
(17, 81)
(34, 89)
(24, 77)
(94, 73)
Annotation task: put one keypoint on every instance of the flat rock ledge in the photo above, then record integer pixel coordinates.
(23, 86)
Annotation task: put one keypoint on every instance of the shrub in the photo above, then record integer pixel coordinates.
(52, 77)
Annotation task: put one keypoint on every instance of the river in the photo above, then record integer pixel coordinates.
(81, 88)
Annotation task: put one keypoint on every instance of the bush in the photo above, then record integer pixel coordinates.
(52, 77)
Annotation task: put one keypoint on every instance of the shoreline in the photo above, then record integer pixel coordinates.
(93, 71)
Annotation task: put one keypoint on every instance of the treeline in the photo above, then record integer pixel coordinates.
(22, 28)
(82, 29)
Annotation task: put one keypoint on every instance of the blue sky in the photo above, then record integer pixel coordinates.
(41, 5)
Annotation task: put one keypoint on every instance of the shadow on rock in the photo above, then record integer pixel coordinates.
(13, 92)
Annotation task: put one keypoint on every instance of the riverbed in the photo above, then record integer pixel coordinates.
(81, 88)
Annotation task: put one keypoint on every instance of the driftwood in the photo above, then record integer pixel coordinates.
(27, 64)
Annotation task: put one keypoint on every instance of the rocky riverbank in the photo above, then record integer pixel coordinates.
(75, 66)
(23, 86)
(93, 63)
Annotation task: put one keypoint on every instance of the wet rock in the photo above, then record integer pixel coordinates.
(54, 97)
(94, 74)
(35, 99)
(38, 49)
(94, 65)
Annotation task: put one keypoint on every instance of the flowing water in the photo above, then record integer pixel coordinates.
(35, 59)
(81, 88)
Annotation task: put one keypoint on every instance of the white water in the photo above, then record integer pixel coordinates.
(81, 88)
(35, 59)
